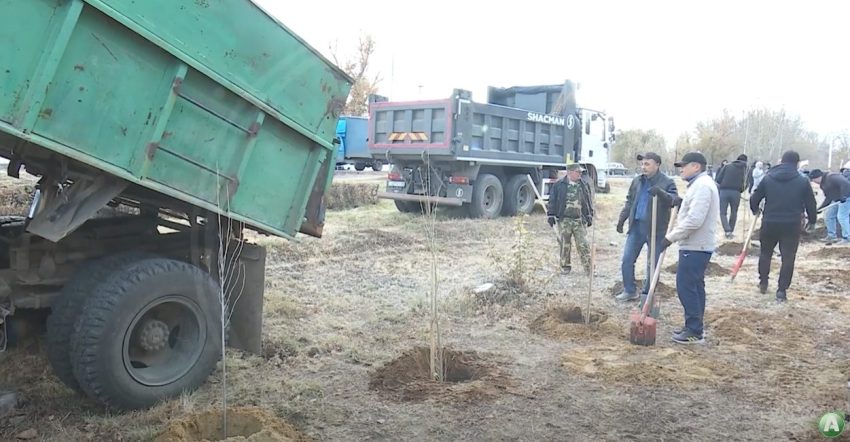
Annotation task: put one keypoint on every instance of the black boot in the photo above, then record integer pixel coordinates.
(780, 296)
(763, 287)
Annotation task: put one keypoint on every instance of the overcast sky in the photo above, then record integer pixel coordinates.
(651, 64)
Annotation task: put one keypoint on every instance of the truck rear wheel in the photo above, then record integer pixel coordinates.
(519, 196)
(68, 305)
(377, 165)
(487, 197)
(406, 206)
(151, 331)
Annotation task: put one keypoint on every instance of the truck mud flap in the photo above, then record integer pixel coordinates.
(314, 214)
(457, 202)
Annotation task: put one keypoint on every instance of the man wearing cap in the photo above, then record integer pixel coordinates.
(786, 196)
(731, 182)
(571, 206)
(638, 211)
(695, 233)
(835, 188)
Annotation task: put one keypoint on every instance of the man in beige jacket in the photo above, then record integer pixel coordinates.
(695, 232)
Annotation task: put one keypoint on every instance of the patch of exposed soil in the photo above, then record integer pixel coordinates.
(648, 366)
(243, 424)
(832, 252)
(734, 249)
(567, 322)
(827, 280)
(467, 376)
(755, 328)
(714, 269)
(663, 290)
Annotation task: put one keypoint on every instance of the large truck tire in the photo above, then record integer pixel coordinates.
(69, 304)
(151, 331)
(487, 197)
(377, 165)
(360, 167)
(519, 196)
(606, 189)
(406, 206)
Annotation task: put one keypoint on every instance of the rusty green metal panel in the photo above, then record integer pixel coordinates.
(211, 102)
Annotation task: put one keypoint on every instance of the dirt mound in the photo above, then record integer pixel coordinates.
(663, 290)
(466, 377)
(243, 424)
(648, 366)
(567, 322)
(827, 280)
(832, 252)
(714, 269)
(757, 329)
(734, 249)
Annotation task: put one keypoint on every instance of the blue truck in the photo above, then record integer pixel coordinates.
(353, 135)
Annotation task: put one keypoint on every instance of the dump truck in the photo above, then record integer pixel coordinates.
(161, 133)
(457, 152)
(352, 134)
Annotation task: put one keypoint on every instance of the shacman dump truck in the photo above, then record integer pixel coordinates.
(160, 130)
(479, 154)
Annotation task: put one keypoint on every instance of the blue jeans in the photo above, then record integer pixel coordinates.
(690, 286)
(639, 235)
(839, 214)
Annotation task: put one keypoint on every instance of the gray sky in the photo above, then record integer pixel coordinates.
(652, 64)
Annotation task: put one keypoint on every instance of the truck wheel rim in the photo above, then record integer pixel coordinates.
(164, 341)
(489, 197)
(523, 196)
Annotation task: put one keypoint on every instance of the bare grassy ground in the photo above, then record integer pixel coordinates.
(343, 311)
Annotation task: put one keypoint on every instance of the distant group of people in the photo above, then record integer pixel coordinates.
(782, 194)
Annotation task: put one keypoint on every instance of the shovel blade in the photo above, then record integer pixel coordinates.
(642, 332)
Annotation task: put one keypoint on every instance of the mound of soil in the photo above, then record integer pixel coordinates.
(466, 376)
(757, 329)
(734, 249)
(648, 366)
(243, 424)
(714, 269)
(567, 322)
(663, 290)
(832, 252)
(827, 280)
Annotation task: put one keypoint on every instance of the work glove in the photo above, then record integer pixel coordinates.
(551, 221)
(589, 221)
(660, 193)
(665, 243)
(676, 201)
(620, 226)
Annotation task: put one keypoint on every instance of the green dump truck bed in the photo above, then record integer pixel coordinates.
(213, 103)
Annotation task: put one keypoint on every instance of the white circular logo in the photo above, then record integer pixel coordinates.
(459, 192)
(570, 121)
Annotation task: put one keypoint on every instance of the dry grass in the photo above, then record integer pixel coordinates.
(341, 307)
(342, 196)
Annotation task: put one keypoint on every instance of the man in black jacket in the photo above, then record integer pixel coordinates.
(786, 195)
(835, 188)
(571, 207)
(731, 181)
(638, 210)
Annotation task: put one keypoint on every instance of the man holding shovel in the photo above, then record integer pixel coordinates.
(638, 211)
(695, 233)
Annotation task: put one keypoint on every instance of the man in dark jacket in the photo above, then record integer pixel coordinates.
(731, 182)
(638, 210)
(835, 188)
(571, 207)
(786, 195)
